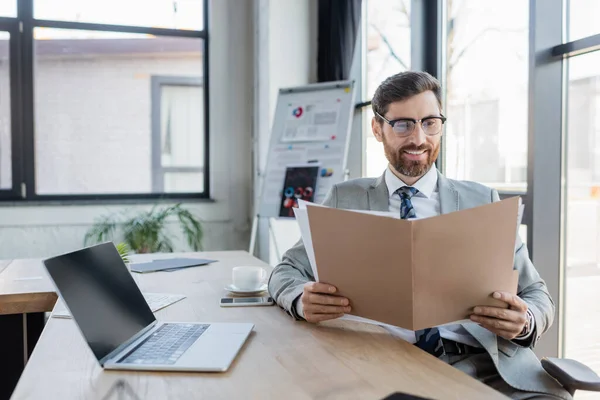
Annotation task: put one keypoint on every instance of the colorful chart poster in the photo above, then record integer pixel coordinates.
(311, 126)
(300, 183)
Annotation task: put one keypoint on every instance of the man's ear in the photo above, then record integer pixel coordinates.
(377, 130)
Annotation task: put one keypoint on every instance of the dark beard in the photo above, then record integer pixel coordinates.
(410, 168)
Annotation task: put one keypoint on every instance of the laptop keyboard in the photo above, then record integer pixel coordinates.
(166, 345)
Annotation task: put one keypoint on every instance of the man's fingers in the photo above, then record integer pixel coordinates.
(497, 324)
(321, 309)
(319, 287)
(311, 298)
(320, 304)
(321, 317)
(514, 301)
(501, 313)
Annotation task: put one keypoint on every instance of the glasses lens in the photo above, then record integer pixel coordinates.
(403, 127)
(432, 126)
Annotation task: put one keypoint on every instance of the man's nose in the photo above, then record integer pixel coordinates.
(417, 137)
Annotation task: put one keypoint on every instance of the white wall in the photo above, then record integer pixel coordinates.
(292, 46)
(286, 52)
(40, 231)
(286, 35)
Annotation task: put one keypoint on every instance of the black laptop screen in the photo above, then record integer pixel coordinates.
(102, 296)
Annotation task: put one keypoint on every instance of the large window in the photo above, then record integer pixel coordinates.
(583, 210)
(388, 52)
(507, 67)
(486, 92)
(118, 100)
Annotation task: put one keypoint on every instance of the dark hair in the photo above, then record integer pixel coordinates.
(403, 86)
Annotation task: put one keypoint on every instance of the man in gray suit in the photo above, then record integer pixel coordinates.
(496, 346)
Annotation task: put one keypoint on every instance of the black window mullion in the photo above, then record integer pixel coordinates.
(577, 47)
(6, 23)
(15, 113)
(205, 80)
(10, 25)
(25, 16)
(427, 23)
(89, 26)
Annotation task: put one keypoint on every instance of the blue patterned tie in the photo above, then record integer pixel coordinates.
(427, 339)
(406, 208)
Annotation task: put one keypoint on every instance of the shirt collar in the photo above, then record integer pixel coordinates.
(426, 185)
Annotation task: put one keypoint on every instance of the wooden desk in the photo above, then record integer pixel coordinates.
(281, 359)
(25, 288)
(25, 294)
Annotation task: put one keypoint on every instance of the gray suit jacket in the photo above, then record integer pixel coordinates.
(516, 363)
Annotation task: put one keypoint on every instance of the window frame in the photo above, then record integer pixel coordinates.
(22, 76)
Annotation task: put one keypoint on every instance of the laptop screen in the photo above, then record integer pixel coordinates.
(102, 296)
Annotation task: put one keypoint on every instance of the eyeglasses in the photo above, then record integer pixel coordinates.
(405, 126)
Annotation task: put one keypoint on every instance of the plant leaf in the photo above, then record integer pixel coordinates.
(192, 229)
(102, 231)
(123, 250)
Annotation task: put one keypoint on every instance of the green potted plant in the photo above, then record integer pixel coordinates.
(123, 250)
(145, 231)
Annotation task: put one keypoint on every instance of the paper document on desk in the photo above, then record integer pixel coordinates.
(168, 264)
(156, 301)
(415, 274)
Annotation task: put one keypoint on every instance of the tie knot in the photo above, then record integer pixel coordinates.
(406, 192)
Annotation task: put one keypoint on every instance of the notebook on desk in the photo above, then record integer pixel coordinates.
(170, 264)
(119, 326)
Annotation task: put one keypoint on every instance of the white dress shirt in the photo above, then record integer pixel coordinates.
(426, 201)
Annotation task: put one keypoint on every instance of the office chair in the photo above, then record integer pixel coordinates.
(571, 374)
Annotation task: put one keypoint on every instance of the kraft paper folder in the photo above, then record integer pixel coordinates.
(419, 273)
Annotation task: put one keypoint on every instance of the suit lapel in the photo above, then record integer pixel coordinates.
(378, 195)
(486, 338)
(448, 195)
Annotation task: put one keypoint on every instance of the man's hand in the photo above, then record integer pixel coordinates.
(319, 302)
(505, 322)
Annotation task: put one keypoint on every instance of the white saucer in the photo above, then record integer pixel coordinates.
(236, 290)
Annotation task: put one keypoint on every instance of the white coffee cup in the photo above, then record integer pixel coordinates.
(248, 278)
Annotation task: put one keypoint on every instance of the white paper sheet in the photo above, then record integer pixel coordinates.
(156, 301)
(302, 218)
(520, 214)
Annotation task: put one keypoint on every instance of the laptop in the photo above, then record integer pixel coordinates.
(121, 330)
